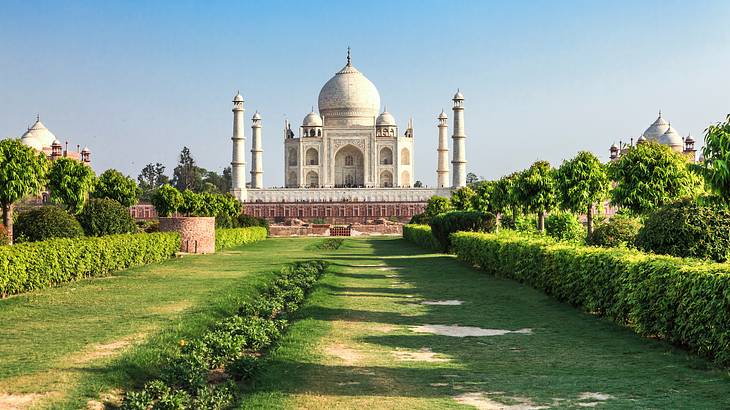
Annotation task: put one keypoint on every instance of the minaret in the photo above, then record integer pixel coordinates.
(257, 171)
(442, 172)
(459, 161)
(238, 162)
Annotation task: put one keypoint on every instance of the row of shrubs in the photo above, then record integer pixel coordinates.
(421, 235)
(228, 238)
(682, 301)
(204, 373)
(29, 266)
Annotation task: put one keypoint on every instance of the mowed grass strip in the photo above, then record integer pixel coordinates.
(89, 340)
(354, 345)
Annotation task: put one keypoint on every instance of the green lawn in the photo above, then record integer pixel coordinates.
(353, 345)
(354, 348)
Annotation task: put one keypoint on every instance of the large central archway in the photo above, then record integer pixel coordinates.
(349, 167)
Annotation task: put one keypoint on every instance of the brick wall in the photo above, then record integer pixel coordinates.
(197, 234)
(334, 212)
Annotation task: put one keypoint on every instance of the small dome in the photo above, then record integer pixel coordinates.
(256, 116)
(656, 129)
(38, 136)
(672, 138)
(385, 119)
(443, 116)
(312, 120)
(86, 150)
(238, 97)
(56, 143)
(689, 139)
(641, 139)
(614, 147)
(458, 95)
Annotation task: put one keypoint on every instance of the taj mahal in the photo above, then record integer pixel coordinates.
(349, 151)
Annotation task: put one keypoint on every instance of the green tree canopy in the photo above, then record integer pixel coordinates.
(437, 205)
(649, 176)
(503, 196)
(152, 177)
(167, 200)
(535, 190)
(717, 158)
(112, 184)
(482, 199)
(70, 182)
(461, 199)
(582, 182)
(22, 172)
(187, 175)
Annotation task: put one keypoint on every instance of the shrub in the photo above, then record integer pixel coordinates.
(445, 224)
(245, 221)
(687, 229)
(564, 226)
(105, 217)
(526, 223)
(317, 221)
(228, 238)
(420, 219)
(46, 222)
(620, 230)
(30, 266)
(114, 185)
(224, 221)
(421, 236)
(682, 301)
(167, 200)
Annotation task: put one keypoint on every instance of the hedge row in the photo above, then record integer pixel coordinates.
(204, 373)
(686, 302)
(29, 266)
(421, 235)
(228, 238)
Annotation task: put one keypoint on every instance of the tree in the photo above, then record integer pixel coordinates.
(22, 172)
(582, 182)
(535, 190)
(70, 182)
(187, 175)
(717, 158)
(167, 200)
(482, 199)
(113, 185)
(503, 197)
(418, 184)
(152, 177)
(471, 178)
(648, 176)
(461, 199)
(437, 205)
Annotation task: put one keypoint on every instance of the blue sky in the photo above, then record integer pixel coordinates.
(138, 80)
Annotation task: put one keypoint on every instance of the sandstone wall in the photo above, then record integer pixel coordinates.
(197, 234)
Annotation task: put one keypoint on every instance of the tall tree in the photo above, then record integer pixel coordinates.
(717, 158)
(648, 176)
(187, 175)
(503, 196)
(471, 178)
(437, 205)
(70, 182)
(114, 185)
(535, 189)
(461, 199)
(22, 172)
(582, 182)
(167, 200)
(152, 177)
(482, 200)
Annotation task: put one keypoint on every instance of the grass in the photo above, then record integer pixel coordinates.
(85, 339)
(348, 349)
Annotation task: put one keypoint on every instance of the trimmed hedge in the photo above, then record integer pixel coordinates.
(686, 302)
(421, 235)
(228, 238)
(30, 266)
(443, 225)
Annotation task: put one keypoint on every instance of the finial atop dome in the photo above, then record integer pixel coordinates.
(349, 58)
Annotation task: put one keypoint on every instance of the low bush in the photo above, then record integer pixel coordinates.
(618, 231)
(330, 244)
(228, 238)
(443, 225)
(246, 221)
(682, 301)
(421, 236)
(30, 266)
(420, 219)
(687, 229)
(44, 223)
(4, 237)
(103, 216)
(234, 345)
(564, 226)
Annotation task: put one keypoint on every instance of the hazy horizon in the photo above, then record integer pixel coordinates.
(137, 81)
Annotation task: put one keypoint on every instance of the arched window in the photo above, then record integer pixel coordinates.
(405, 179)
(312, 179)
(311, 132)
(312, 157)
(291, 180)
(386, 179)
(292, 157)
(319, 133)
(391, 132)
(386, 156)
(349, 161)
(405, 157)
(349, 180)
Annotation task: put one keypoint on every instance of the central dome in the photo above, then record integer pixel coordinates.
(349, 94)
